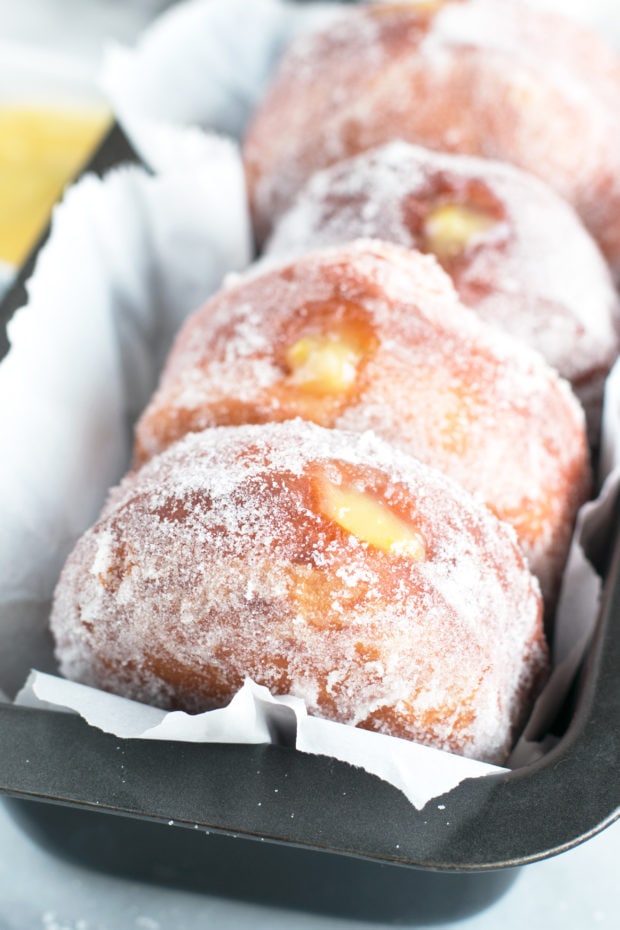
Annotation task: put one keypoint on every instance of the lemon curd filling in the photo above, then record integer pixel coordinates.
(323, 364)
(371, 521)
(41, 150)
(450, 228)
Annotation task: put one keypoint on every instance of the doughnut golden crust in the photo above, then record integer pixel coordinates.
(372, 336)
(481, 77)
(516, 252)
(320, 563)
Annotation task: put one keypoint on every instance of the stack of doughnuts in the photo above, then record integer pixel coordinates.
(358, 478)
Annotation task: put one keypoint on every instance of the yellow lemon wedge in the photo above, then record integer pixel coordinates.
(41, 150)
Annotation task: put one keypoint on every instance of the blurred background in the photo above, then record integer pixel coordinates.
(52, 114)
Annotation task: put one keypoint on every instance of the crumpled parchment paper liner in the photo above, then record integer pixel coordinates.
(256, 716)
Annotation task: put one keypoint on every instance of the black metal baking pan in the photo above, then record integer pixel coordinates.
(307, 815)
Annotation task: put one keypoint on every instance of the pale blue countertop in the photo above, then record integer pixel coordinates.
(577, 890)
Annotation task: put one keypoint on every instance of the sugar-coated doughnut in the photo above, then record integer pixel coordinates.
(517, 253)
(322, 564)
(494, 78)
(372, 336)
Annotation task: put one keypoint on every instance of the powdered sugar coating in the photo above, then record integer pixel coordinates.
(434, 381)
(214, 562)
(536, 273)
(484, 77)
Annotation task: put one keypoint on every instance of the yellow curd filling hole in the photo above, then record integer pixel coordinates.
(41, 150)
(371, 521)
(323, 364)
(450, 228)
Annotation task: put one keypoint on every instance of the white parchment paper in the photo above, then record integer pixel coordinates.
(128, 259)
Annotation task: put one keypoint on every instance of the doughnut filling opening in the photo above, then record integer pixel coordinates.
(450, 229)
(455, 217)
(326, 360)
(321, 350)
(423, 7)
(323, 364)
(370, 520)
